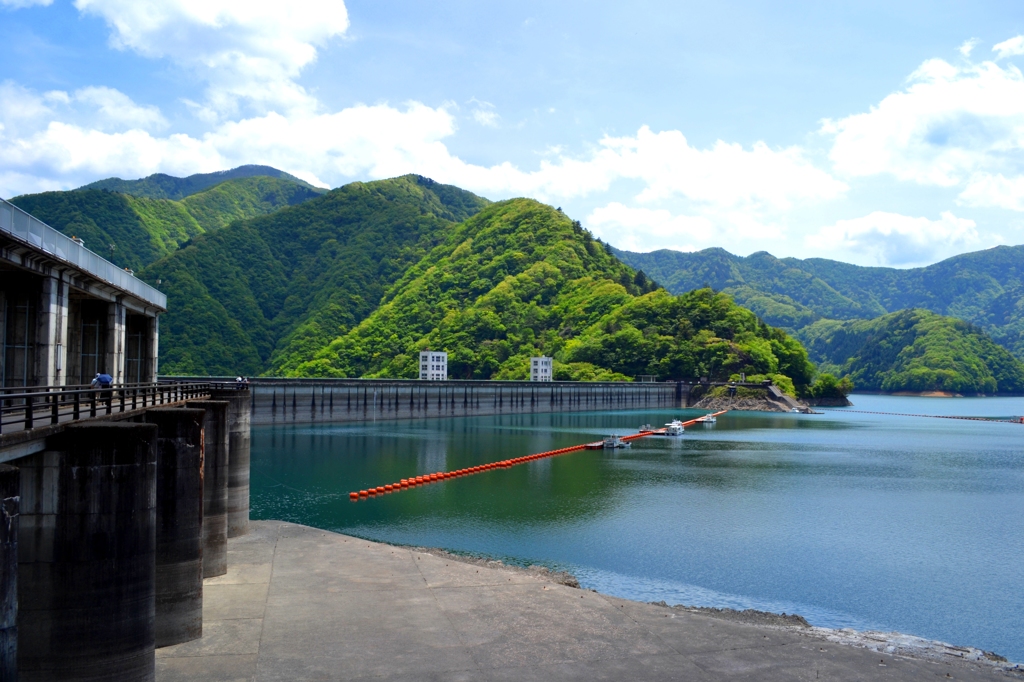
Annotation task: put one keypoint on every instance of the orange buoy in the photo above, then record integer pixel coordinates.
(353, 496)
(380, 489)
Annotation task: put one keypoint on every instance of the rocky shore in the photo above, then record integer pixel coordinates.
(748, 404)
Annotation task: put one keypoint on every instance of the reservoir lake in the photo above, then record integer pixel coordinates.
(849, 519)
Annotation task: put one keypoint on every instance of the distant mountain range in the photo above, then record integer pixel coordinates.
(161, 186)
(985, 288)
(268, 275)
(143, 229)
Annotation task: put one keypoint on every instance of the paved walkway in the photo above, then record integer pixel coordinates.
(304, 604)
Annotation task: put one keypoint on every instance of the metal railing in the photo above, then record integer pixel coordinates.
(32, 407)
(35, 233)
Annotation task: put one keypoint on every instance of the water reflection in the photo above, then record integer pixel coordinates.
(903, 523)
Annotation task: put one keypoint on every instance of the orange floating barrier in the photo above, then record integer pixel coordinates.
(502, 464)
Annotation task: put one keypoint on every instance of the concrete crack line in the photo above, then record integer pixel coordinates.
(263, 622)
(437, 602)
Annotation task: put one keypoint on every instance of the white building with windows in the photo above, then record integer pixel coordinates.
(540, 369)
(433, 365)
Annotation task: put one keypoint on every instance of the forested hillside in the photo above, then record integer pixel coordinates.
(985, 288)
(266, 275)
(143, 230)
(914, 350)
(520, 279)
(161, 186)
(263, 295)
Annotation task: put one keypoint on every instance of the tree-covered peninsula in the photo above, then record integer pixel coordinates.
(520, 279)
(915, 350)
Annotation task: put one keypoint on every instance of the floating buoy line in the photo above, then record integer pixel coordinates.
(427, 479)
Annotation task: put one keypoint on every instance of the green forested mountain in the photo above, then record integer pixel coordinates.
(914, 350)
(161, 186)
(521, 279)
(265, 275)
(143, 230)
(985, 288)
(265, 294)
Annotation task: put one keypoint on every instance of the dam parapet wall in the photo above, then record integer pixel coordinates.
(308, 401)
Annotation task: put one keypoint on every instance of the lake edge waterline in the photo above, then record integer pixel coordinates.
(792, 434)
(321, 600)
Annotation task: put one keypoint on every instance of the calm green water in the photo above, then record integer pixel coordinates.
(852, 520)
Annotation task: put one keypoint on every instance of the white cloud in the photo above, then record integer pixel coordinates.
(994, 191)
(1009, 48)
(114, 110)
(644, 229)
(486, 117)
(967, 47)
(892, 239)
(724, 175)
(19, 4)
(952, 126)
(251, 51)
(948, 123)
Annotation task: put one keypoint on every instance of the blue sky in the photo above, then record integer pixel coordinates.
(881, 133)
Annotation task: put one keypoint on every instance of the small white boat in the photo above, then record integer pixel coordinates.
(707, 419)
(674, 428)
(615, 442)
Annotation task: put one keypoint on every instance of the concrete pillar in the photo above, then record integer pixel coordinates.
(238, 458)
(215, 485)
(116, 319)
(153, 351)
(73, 348)
(87, 541)
(9, 503)
(52, 331)
(179, 524)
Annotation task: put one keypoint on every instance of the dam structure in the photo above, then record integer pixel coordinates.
(310, 401)
(118, 498)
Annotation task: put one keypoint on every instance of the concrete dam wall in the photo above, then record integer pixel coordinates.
(306, 401)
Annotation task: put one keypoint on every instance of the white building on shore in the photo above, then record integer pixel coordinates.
(541, 369)
(433, 365)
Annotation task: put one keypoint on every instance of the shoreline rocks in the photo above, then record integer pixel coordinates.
(745, 404)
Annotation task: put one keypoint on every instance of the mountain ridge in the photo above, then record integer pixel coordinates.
(143, 229)
(164, 186)
(263, 291)
(985, 288)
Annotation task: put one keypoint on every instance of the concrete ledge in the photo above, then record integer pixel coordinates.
(299, 603)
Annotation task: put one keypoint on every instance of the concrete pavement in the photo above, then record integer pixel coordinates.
(304, 604)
